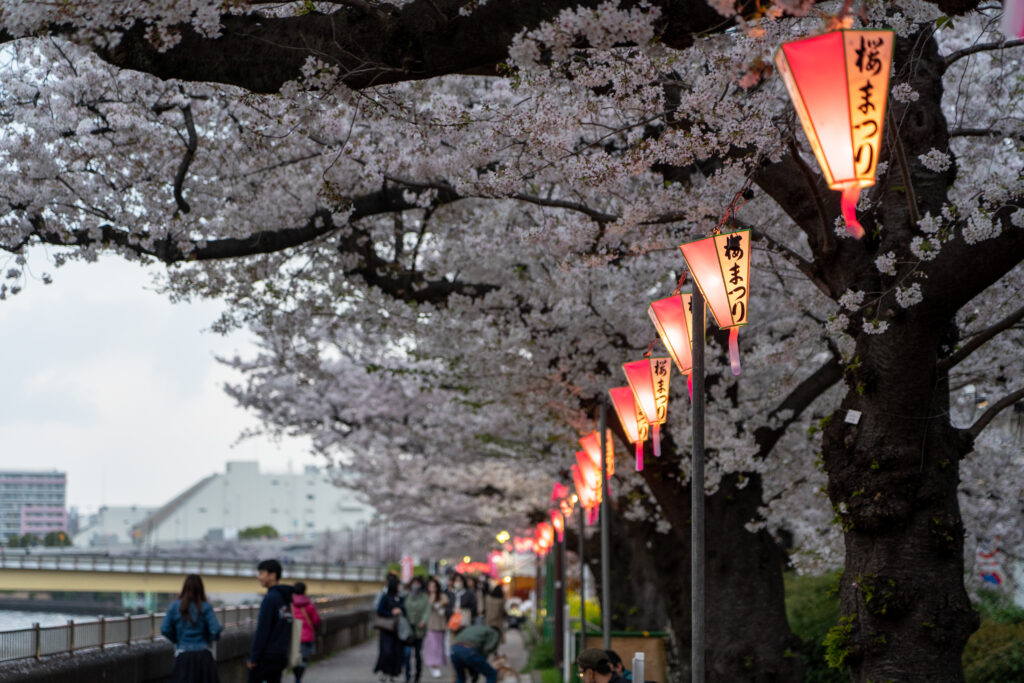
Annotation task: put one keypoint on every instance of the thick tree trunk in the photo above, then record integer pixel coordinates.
(893, 478)
(748, 637)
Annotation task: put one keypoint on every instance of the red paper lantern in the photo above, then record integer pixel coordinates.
(591, 473)
(649, 380)
(567, 505)
(839, 83)
(673, 318)
(592, 445)
(720, 265)
(558, 492)
(632, 419)
(1012, 22)
(558, 522)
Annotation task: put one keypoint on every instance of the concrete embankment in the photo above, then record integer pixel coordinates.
(152, 662)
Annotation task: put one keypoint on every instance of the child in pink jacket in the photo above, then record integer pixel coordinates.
(306, 614)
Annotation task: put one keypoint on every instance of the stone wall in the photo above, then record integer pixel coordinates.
(152, 662)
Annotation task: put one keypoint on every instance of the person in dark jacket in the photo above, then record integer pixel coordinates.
(192, 626)
(391, 652)
(269, 654)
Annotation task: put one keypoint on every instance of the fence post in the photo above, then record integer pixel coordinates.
(103, 632)
(638, 666)
(152, 627)
(36, 633)
(128, 628)
(71, 636)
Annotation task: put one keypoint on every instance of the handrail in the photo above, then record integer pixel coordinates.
(170, 565)
(38, 641)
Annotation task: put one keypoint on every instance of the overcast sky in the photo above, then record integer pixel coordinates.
(104, 379)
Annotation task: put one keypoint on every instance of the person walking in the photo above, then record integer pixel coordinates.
(391, 650)
(417, 610)
(495, 615)
(471, 647)
(269, 653)
(437, 624)
(463, 600)
(191, 624)
(305, 611)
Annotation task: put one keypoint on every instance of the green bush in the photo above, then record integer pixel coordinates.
(542, 656)
(995, 653)
(550, 676)
(593, 608)
(812, 608)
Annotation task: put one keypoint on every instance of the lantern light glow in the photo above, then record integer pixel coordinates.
(720, 265)
(591, 443)
(632, 419)
(839, 82)
(558, 522)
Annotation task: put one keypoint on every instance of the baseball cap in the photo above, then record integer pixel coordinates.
(593, 658)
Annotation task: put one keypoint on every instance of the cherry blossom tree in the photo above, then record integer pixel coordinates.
(481, 199)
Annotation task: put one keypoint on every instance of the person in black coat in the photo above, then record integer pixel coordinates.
(269, 654)
(391, 652)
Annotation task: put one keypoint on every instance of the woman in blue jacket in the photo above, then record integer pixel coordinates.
(192, 626)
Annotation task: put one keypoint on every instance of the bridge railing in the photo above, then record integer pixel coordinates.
(42, 641)
(162, 565)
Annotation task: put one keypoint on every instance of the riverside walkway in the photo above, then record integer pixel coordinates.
(355, 665)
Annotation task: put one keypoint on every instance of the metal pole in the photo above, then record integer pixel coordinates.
(583, 588)
(558, 608)
(697, 494)
(606, 579)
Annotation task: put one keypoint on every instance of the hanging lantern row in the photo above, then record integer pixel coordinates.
(839, 84)
(523, 544)
(544, 538)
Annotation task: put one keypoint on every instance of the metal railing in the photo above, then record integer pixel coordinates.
(161, 565)
(42, 641)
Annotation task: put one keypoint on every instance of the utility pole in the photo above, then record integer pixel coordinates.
(606, 581)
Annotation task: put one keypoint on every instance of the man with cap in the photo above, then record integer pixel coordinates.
(470, 648)
(595, 667)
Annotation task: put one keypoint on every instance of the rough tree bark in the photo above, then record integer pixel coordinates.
(749, 640)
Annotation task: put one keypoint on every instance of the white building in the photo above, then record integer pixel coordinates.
(110, 525)
(221, 505)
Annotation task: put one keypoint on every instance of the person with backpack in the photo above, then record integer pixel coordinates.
(272, 639)
(191, 624)
(305, 613)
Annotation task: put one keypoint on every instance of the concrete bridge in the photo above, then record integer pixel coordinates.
(165, 575)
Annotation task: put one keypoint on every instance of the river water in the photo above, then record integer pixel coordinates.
(12, 620)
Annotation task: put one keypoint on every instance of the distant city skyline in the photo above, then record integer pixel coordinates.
(105, 379)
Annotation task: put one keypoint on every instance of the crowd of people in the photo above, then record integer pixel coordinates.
(427, 623)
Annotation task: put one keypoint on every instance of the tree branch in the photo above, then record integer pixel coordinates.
(975, 429)
(190, 153)
(977, 340)
(953, 57)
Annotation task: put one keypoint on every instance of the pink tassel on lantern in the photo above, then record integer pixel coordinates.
(851, 193)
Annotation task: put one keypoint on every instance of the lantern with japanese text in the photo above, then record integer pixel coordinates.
(720, 265)
(558, 522)
(632, 419)
(1012, 23)
(649, 380)
(592, 445)
(673, 318)
(839, 83)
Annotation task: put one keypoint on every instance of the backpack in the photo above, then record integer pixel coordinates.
(287, 622)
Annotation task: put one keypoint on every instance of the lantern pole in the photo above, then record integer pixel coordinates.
(697, 494)
(606, 581)
(583, 586)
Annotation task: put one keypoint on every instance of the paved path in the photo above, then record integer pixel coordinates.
(355, 665)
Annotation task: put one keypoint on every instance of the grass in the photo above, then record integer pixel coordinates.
(551, 675)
